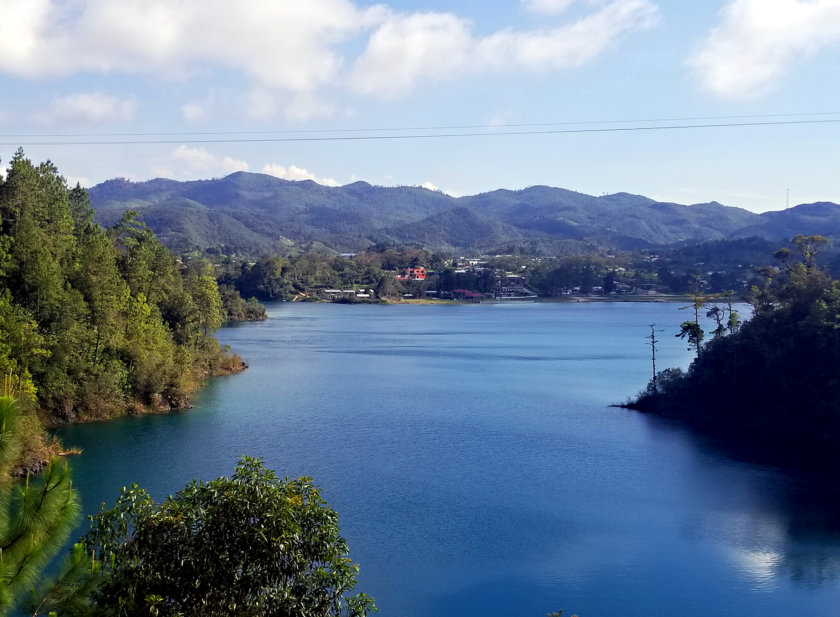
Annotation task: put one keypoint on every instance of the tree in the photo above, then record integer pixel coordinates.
(201, 284)
(772, 382)
(718, 314)
(808, 247)
(35, 517)
(247, 545)
(609, 282)
(733, 318)
(692, 329)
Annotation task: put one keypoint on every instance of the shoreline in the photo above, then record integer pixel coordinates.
(660, 299)
(137, 408)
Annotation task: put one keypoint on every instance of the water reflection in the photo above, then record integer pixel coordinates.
(479, 471)
(791, 528)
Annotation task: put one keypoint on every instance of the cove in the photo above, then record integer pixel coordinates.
(477, 468)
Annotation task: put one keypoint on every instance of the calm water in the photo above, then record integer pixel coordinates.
(478, 470)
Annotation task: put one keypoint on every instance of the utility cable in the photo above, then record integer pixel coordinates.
(404, 136)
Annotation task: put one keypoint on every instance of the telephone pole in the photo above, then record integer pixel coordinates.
(652, 337)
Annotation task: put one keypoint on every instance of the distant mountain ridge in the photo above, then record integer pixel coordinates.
(251, 213)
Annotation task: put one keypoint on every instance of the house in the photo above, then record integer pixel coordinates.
(413, 274)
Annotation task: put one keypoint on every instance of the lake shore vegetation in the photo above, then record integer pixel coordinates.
(776, 378)
(96, 322)
(390, 274)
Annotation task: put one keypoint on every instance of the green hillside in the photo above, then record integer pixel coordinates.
(254, 214)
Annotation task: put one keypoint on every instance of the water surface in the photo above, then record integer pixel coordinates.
(478, 470)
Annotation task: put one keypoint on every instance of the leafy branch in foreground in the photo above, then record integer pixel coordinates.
(245, 545)
(35, 517)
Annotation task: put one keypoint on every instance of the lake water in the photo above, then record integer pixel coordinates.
(478, 470)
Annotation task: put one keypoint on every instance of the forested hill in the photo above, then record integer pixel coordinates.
(256, 214)
(94, 323)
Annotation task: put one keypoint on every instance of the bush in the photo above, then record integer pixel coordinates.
(247, 545)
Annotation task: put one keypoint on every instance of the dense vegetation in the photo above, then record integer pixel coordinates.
(710, 267)
(251, 544)
(775, 377)
(95, 322)
(36, 517)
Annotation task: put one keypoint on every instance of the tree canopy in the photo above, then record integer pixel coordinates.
(95, 322)
(251, 544)
(775, 377)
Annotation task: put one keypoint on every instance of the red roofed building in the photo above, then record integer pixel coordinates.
(413, 274)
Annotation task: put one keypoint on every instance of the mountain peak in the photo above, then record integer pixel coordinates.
(358, 215)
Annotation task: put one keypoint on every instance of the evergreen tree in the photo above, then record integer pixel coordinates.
(36, 517)
(93, 321)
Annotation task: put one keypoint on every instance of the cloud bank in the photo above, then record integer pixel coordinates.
(86, 108)
(294, 55)
(408, 50)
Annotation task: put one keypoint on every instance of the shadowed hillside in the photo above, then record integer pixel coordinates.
(255, 214)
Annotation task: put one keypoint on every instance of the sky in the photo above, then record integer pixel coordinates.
(734, 101)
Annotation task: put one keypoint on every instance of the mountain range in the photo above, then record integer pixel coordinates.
(249, 213)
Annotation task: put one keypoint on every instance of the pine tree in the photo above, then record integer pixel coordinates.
(36, 516)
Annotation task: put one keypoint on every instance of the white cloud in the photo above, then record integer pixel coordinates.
(194, 163)
(433, 187)
(264, 104)
(195, 111)
(293, 172)
(293, 55)
(283, 45)
(547, 6)
(87, 108)
(407, 50)
(305, 107)
(758, 41)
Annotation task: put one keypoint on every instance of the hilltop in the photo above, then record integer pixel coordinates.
(254, 214)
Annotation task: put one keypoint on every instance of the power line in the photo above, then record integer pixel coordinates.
(422, 128)
(405, 136)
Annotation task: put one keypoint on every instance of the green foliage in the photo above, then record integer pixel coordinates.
(562, 275)
(808, 247)
(9, 445)
(251, 544)
(70, 592)
(776, 376)
(253, 215)
(691, 331)
(234, 308)
(93, 322)
(36, 516)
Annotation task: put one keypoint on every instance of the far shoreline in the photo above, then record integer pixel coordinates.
(660, 298)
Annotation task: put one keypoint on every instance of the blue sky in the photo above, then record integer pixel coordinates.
(279, 86)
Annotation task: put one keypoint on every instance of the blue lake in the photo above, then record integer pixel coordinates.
(478, 470)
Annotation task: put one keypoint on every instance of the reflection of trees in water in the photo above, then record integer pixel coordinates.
(794, 529)
(813, 531)
(811, 567)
